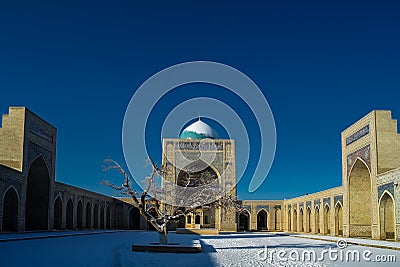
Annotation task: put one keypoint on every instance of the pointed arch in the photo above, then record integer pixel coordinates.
(57, 213)
(308, 220)
(79, 215)
(119, 215)
(70, 215)
(317, 221)
(327, 219)
(295, 220)
(197, 173)
(88, 211)
(108, 217)
(360, 204)
(102, 216)
(262, 220)
(37, 195)
(95, 216)
(278, 218)
(301, 220)
(134, 218)
(10, 210)
(387, 216)
(338, 219)
(244, 221)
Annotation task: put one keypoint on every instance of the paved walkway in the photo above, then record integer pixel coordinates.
(355, 241)
(237, 249)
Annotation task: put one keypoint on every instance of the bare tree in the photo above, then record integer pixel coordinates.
(149, 204)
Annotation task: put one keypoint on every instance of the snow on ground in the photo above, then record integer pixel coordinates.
(239, 249)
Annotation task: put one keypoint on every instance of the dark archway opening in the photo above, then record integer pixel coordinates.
(88, 216)
(244, 219)
(262, 220)
(119, 217)
(79, 215)
(37, 196)
(70, 215)
(196, 174)
(134, 219)
(95, 217)
(10, 211)
(108, 218)
(102, 217)
(58, 214)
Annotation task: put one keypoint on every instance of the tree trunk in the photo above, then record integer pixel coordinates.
(163, 238)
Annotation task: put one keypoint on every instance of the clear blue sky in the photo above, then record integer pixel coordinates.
(321, 65)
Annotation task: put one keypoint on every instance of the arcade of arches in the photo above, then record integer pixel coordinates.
(366, 204)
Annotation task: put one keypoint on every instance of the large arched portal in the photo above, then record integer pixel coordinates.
(10, 210)
(134, 219)
(339, 219)
(70, 215)
(262, 221)
(37, 196)
(58, 213)
(387, 217)
(244, 221)
(360, 200)
(196, 174)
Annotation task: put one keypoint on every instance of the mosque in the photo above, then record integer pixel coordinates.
(367, 204)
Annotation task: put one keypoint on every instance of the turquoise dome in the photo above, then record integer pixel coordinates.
(199, 130)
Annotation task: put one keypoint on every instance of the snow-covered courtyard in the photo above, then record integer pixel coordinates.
(241, 249)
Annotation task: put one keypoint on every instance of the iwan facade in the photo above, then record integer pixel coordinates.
(366, 205)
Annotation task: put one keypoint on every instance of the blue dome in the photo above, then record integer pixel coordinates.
(199, 130)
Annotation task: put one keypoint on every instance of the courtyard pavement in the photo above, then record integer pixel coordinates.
(355, 241)
(97, 248)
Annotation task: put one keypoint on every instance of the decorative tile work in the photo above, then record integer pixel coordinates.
(363, 153)
(262, 207)
(327, 200)
(308, 204)
(278, 207)
(339, 199)
(389, 187)
(289, 206)
(301, 205)
(357, 135)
